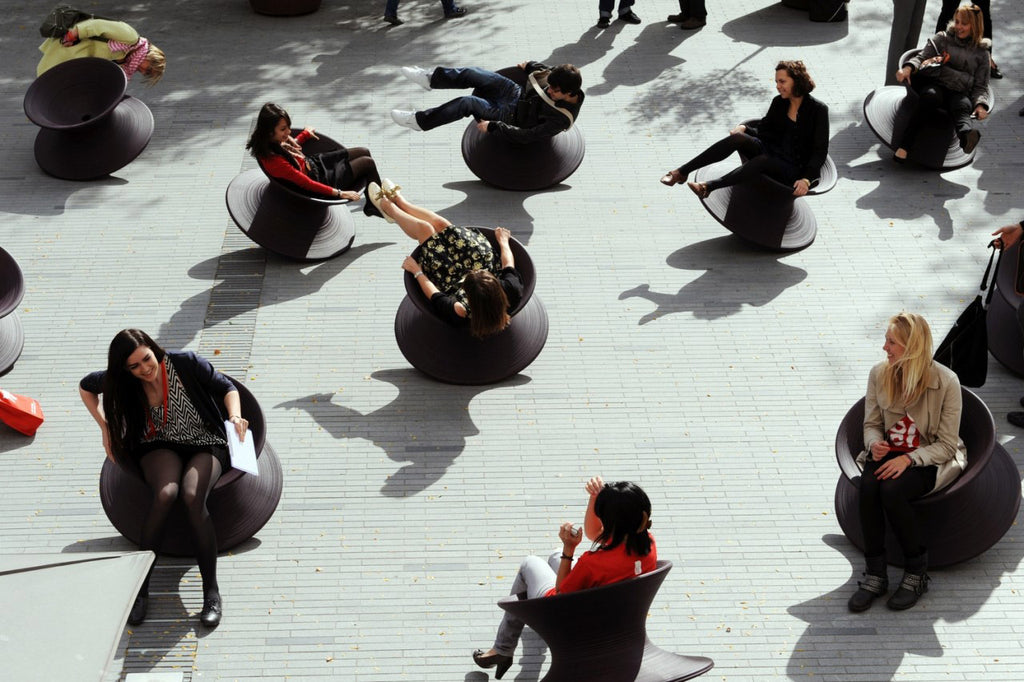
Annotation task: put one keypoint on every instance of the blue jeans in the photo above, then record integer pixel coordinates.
(391, 8)
(605, 7)
(494, 97)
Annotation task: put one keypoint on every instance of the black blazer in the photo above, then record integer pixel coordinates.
(811, 132)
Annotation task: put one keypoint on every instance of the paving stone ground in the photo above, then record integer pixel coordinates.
(712, 373)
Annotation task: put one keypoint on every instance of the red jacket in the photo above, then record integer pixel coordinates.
(278, 166)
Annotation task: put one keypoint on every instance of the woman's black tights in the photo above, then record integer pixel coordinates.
(891, 499)
(167, 477)
(364, 171)
(758, 162)
(930, 97)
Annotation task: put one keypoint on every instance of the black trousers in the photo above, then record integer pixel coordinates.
(930, 97)
(891, 499)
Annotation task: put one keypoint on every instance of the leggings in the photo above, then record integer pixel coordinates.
(348, 169)
(760, 162)
(930, 97)
(169, 475)
(891, 499)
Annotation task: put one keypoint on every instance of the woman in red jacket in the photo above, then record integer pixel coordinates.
(618, 521)
(336, 174)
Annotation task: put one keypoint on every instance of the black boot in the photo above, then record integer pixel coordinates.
(913, 585)
(875, 584)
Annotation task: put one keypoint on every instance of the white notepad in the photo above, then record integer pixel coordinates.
(243, 453)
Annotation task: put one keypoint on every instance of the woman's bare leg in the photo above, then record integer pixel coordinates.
(418, 223)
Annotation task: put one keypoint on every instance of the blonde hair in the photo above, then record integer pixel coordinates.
(908, 377)
(157, 64)
(971, 15)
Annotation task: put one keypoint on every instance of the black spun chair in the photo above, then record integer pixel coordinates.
(12, 289)
(522, 167)
(960, 521)
(936, 145)
(281, 217)
(240, 504)
(89, 126)
(600, 634)
(1005, 340)
(451, 354)
(764, 211)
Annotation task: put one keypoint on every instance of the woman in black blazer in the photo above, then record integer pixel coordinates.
(789, 144)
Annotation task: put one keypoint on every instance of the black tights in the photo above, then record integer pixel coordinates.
(167, 477)
(891, 498)
(930, 97)
(364, 171)
(759, 163)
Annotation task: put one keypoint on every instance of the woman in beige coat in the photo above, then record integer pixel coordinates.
(913, 448)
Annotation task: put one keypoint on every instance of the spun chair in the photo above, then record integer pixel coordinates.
(936, 145)
(12, 289)
(600, 634)
(1005, 340)
(765, 211)
(89, 126)
(522, 167)
(281, 217)
(239, 504)
(451, 354)
(958, 522)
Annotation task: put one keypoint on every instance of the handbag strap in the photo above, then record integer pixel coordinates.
(988, 286)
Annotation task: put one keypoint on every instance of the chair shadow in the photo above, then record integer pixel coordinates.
(195, 313)
(781, 26)
(866, 640)
(736, 274)
(503, 207)
(424, 428)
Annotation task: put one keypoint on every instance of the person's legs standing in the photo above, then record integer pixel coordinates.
(534, 579)
(907, 17)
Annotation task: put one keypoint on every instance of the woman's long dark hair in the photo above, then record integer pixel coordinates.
(124, 401)
(260, 144)
(625, 512)
(488, 304)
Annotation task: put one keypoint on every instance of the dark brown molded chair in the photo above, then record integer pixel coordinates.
(960, 521)
(936, 145)
(240, 504)
(282, 218)
(522, 167)
(451, 354)
(1005, 341)
(600, 635)
(12, 289)
(765, 211)
(90, 128)
(284, 8)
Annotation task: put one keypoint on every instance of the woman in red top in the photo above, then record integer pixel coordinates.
(617, 521)
(335, 174)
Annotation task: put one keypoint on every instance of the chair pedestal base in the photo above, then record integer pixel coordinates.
(284, 8)
(99, 149)
(12, 341)
(956, 527)
(522, 167)
(762, 211)
(239, 509)
(286, 224)
(451, 355)
(936, 145)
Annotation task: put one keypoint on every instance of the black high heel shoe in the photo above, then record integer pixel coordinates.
(497, 661)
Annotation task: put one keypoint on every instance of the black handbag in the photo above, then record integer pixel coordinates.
(965, 348)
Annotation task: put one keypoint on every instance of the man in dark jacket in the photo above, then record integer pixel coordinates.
(544, 106)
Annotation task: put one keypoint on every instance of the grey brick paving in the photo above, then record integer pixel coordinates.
(711, 373)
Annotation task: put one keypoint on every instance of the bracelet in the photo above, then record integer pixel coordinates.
(416, 274)
(566, 558)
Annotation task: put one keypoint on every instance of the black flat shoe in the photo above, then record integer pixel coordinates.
(994, 72)
(497, 661)
(139, 608)
(629, 17)
(604, 22)
(970, 141)
(213, 608)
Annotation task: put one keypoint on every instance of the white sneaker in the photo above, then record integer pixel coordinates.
(405, 119)
(420, 77)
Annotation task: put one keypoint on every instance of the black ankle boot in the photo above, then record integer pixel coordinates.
(875, 584)
(913, 585)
